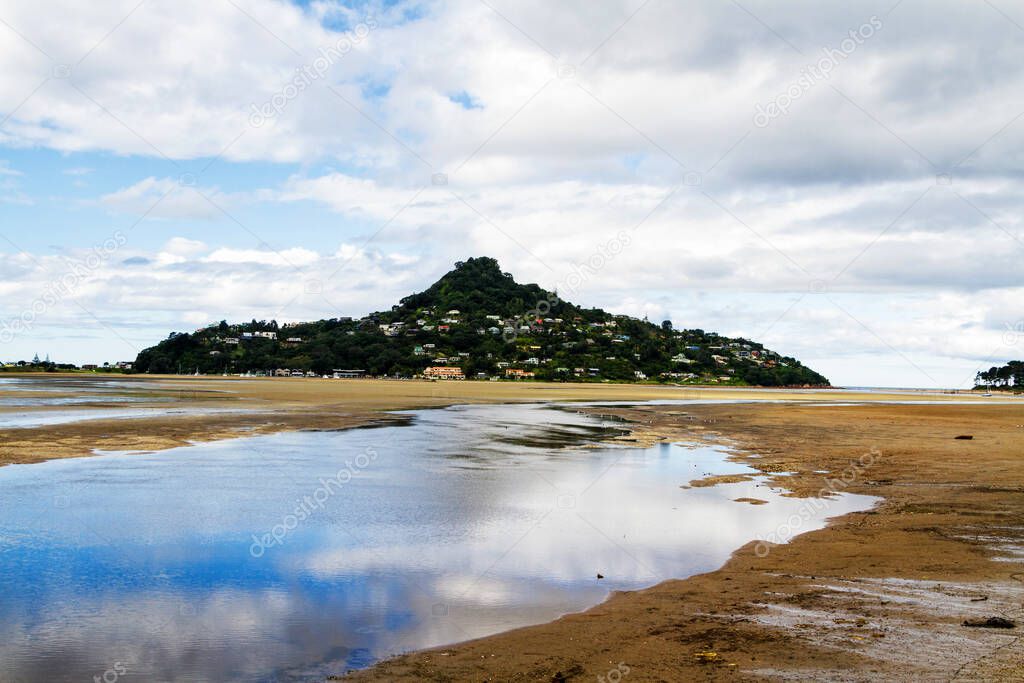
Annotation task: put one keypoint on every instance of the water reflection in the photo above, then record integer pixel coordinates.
(43, 418)
(461, 525)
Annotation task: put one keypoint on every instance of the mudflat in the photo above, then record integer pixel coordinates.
(921, 587)
(914, 589)
(188, 409)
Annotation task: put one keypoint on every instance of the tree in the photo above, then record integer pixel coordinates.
(1006, 376)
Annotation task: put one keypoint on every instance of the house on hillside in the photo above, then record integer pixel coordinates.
(348, 374)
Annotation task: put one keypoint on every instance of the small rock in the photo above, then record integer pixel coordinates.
(990, 622)
(568, 674)
(965, 437)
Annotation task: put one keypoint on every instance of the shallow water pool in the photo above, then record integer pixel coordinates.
(300, 555)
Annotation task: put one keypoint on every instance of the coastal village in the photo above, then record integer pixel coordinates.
(449, 345)
(531, 340)
(477, 323)
(530, 349)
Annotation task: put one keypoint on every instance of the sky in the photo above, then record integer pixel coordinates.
(840, 181)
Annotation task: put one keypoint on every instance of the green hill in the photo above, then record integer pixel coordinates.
(1008, 377)
(479, 319)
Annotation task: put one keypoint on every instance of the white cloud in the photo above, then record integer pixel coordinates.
(152, 87)
(182, 246)
(167, 198)
(893, 185)
(296, 257)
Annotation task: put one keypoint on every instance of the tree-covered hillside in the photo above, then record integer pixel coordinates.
(480, 320)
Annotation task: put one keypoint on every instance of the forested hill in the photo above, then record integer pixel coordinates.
(1009, 376)
(480, 320)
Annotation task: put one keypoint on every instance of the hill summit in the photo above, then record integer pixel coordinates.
(477, 322)
(474, 285)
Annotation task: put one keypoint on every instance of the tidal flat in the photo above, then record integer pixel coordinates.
(468, 541)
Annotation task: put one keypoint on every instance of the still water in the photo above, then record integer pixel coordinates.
(297, 556)
(28, 402)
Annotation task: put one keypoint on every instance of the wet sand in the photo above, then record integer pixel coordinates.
(260, 406)
(876, 595)
(879, 594)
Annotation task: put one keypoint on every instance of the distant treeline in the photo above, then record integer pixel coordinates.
(37, 366)
(1009, 376)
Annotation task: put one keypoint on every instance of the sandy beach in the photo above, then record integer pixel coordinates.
(211, 408)
(878, 594)
(882, 594)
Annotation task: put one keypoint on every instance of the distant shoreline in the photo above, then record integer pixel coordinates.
(249, 406)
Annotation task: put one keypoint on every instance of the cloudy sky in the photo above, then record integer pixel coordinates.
(841, 181)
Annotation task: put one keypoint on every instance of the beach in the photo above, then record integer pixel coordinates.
(190, 409)
(879, 593)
